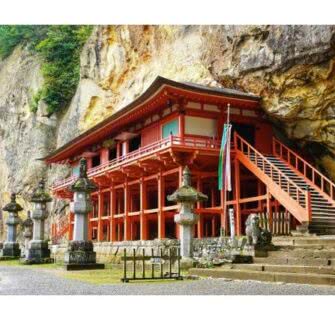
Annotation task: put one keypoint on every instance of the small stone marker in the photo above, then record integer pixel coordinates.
(11, 248)
(232, 223)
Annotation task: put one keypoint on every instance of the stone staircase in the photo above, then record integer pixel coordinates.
(299, 187)
(323, 211)
(308, 260)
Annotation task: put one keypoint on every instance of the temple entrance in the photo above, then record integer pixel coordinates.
(246, 131)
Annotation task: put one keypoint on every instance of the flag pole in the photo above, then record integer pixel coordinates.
(226, 189)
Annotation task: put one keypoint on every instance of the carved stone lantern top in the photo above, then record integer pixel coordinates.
(186, 193)
(28, 222)
(12, 206)
(83, 184)
(40, 195)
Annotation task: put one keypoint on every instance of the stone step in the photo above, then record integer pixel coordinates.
(322, 230)
(302, 241)
(282, 268)
(322, 262)
(287, 277)
(303, 253)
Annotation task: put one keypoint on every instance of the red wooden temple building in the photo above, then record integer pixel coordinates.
(136, 157)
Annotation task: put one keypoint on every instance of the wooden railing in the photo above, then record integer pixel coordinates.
(279, 223)
(302, 197)
(308, 171)
(192, 142)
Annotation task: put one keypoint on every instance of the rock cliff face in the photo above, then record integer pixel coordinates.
(291, 67)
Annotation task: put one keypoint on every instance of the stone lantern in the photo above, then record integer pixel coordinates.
(38, 250)
(80, 254)
(187, 197)
(27, 232)
(11, 248)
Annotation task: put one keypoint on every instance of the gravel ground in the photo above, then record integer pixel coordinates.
(21, 281)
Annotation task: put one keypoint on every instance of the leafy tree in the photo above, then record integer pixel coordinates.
(59, 48)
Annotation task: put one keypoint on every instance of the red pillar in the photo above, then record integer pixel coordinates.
(181, 122)
(237, 198)
(223, 215)
(259, 192)
(126, 230)
(200, 225)
(112, 235)
(269, 208)
(213, 226)
(180, 178)
(71, 219)
(143, 205)
(160, 213)
(89, 226)
(100, 211)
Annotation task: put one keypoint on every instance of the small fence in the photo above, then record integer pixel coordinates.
(154, 261)
(281, 222)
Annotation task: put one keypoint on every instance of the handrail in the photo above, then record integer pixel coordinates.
(61, 227)
(146, 150)
(316, 175)
(291, 187)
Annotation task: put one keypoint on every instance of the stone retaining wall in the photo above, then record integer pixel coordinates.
(108, 252)
(111, 252)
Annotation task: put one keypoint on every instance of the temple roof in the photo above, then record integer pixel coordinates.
(158, 88)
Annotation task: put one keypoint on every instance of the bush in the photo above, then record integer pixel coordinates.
(59, 48)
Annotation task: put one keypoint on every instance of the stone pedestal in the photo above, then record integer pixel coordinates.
(11, 248)
(186, 220)
(80, 254)
(38, 250)
(27, 233)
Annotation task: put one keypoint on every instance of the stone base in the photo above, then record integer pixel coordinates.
(83, 266)
(37, 260)
(187, 263)
(11, 249)
(3, 258)
(241, 259)
(303, 229)
(38, 252)
(80, 256)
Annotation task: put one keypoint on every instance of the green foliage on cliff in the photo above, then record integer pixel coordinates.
(59, 48)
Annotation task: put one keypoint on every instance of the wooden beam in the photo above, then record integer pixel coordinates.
(143, 205)
(269, 208)
(100, 211)
(126, 224)
(89, 236)
(71, 219)
(237, 197)
(161, 202)
(200, 224)
(112, 225)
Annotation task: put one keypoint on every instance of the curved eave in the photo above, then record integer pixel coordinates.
(155, 89)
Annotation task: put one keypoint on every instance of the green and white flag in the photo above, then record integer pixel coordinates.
(224, 169)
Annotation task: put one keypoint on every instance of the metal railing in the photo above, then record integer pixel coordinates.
(302, 166)
(153, 261)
